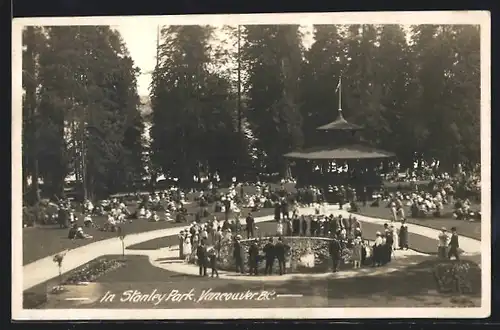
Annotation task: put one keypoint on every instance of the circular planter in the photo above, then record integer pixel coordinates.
(305, 255)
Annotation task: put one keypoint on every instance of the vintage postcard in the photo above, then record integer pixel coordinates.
(260, 166)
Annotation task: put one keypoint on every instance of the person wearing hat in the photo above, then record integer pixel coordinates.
(187, 247)
(403, 235)
(212, 257)
(202, 255)
(72, 231)
(237, 254)
(395, 237)
(304, 226)
(253, 258)
(335, 253)
(280, 249)
(442, 243)
(453, 246)
(269, 256)
(389, 240)
(378, 245)
(357, 252)
(250, 221)
(62, 216)
(182, 237)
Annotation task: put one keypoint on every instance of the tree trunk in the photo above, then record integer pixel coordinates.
(35, 185)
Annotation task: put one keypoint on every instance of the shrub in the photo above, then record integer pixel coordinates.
(457, 276)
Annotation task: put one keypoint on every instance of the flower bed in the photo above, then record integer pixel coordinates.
(457, 276)
(91, 271)
(306, 255)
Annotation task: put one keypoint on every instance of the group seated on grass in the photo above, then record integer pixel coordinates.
(443, 190)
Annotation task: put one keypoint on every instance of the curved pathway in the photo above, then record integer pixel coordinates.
(45, 269)
(165, 258)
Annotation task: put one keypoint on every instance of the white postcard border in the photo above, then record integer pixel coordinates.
(481, 18)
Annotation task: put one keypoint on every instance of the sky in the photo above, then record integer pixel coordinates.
(141, 43)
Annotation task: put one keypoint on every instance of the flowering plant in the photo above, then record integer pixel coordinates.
(454, 276)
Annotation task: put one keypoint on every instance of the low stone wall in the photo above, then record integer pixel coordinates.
(306, 255)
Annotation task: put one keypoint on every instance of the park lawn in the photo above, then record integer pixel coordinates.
(43, 241)
(417, 242)
(412, 287)
(465, 228)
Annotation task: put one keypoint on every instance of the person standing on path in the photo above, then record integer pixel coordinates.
(212, 255)
(335, 251)
(280, 250)
(279, 228)
(377, 255)
(253, 258)
(357, 253)
(201, 253)
(389, 241)
(250, 226)
(403, 235)
(237, 254)
(182, 237)
(453, 251)
(442, 243)
(269, 255)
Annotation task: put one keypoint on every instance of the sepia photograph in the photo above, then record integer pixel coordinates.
(256, 166)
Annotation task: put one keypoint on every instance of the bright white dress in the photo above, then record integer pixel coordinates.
(395, 243)
(279, 228)
(187, 248)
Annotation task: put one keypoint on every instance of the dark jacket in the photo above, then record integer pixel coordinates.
(269, 250)
(253, 251)
(237, 251)
(201, 253)
(454, 241)
(334, 248)
(280, 250)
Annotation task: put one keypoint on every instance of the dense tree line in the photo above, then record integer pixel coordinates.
(416, 92)
(80, 91)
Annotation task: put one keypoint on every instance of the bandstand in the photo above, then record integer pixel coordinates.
(343, 160)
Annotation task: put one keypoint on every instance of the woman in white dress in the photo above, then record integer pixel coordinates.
(395, 236)
(279, 228)
(187, 249)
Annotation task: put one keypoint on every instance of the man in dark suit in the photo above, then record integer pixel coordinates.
(453, 246)
(269, 255)
(62, 217)
(389, 240)
(237, 254)
(201, 253)
(284, 208)
(250, 226)
(280, 251)
(253, 258)
(335, 253)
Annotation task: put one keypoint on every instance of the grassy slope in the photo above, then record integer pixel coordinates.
(465, 228)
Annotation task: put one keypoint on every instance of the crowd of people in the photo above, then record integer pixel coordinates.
(201, 242)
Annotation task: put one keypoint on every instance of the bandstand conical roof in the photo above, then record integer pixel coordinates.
(340, 124)
(343, 149)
